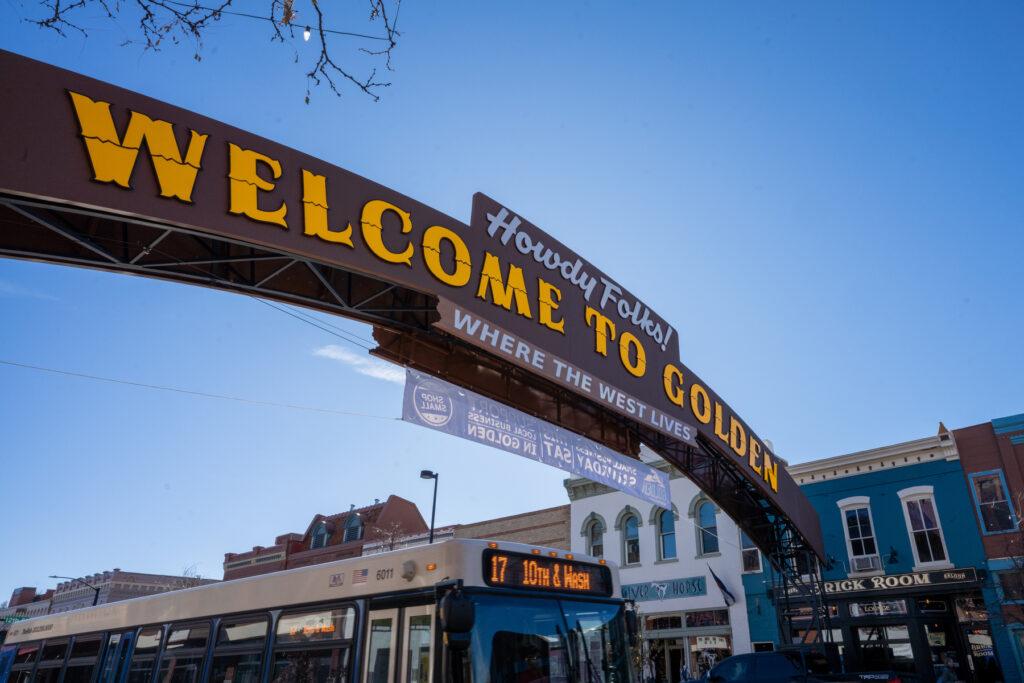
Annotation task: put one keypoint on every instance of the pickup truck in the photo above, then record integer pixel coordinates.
(792, 666)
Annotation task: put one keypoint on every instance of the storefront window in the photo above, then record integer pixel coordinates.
(709, 617)
(993, 502)
(932, 606)
(971, 609)
(942, 645)
(877, 608)
(886, 647)
(706, 651)
(661, 623)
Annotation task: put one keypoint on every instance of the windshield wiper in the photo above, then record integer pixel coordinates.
(573, 675)
(593, 677)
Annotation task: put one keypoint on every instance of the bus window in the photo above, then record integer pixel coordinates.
(146, 647)
(380, 656)
(182, 661)
(7, 654)
(84, 652)
(51, 661)
(24, 663)
(239, 651)
(115, 657)
(418, 641)
(313, 647)
(27, 654)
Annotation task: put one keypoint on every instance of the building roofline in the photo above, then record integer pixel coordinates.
(515, 516)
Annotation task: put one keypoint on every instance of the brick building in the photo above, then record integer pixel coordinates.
(328, 538)
(992, 457)
(548, 527)
(116, 585)
(25, 603)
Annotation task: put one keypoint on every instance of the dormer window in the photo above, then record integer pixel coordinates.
(319, 537)
(353, 528)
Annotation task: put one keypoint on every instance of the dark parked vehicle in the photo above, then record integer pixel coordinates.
(796, 665)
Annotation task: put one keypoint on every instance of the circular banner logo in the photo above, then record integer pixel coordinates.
(432, 403)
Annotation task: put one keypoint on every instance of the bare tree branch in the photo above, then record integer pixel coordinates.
(178, 21)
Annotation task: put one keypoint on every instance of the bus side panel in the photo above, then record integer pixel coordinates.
(7, 661)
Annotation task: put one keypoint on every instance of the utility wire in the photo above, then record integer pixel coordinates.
(319, 324)
(262, 18)
(189, 392)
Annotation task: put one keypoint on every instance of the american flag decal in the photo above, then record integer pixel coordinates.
(359, 575)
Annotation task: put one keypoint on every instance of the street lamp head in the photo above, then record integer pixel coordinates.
(427, 474)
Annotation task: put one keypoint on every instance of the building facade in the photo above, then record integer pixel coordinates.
(905, 575)
(548, 527)
(668, 562)
(330, 537)
(992, 457)
(116, 585)
(25, 603)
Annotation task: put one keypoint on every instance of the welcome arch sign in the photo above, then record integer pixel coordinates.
(96, 176)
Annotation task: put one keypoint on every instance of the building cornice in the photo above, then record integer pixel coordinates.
(929, 449)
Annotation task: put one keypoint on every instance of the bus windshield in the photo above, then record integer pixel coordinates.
(548, 640)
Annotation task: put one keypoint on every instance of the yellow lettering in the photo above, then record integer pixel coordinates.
(771, 471)
(549, 296)
(113, 159)
(373, 231)
(502, 293)
(246, 184)
(314, 208)
(700, 403)
(672, 379)
(737, 436)
(639, 367)
(432, 256)
(604, 329)
(755, 455)
(718, 423)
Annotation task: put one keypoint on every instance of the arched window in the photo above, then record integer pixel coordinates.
(707, 534)
(595, 539)
(592, 530)
(320, 536)
(631, 540)
(666, 535)
(353, 528)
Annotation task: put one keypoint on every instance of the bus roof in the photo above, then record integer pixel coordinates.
(399, 570)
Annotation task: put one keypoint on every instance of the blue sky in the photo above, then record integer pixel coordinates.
(824, 199)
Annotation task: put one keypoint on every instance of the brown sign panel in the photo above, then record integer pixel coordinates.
(503, 284)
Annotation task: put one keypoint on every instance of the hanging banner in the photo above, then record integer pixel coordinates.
(437, 404)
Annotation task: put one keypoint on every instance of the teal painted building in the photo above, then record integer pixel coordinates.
(906, 577)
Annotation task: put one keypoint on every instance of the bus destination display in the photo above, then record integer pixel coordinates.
(536, 572)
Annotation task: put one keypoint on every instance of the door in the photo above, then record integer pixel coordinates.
(675, 664)
(380, 646)
(418, 644)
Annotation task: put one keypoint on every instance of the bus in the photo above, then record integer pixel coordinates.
(461, 611)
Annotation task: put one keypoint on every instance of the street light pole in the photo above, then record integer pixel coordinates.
(427, 474)
(96, 591)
